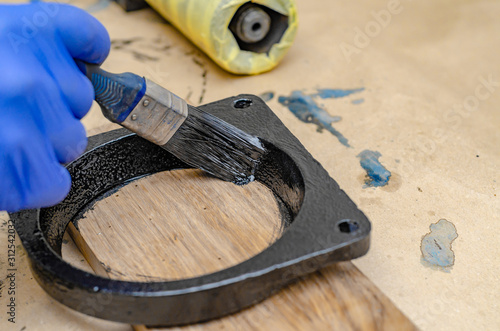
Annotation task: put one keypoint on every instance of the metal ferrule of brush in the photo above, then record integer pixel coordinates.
(158, 115)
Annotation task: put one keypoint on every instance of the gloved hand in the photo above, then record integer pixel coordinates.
(43, 95)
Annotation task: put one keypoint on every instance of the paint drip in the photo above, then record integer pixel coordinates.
(376, 174)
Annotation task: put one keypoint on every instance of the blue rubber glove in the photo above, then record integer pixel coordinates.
(43, 96)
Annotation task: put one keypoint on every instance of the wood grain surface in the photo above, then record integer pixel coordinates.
(179, 224)
(184, 223)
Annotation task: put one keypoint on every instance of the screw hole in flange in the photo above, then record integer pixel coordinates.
(348, 226)
(242, 103)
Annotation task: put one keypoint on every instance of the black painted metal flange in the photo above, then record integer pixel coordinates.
(325, 227)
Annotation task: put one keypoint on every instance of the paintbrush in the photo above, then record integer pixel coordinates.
(192, 135)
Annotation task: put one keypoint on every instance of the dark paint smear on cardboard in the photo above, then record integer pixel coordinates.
(128, 45)
(305, 108)
(377, 174)
(436, 246)
(204, 74)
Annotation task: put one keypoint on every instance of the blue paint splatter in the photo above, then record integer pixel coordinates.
(436, 245)
(377, 174)
(267, 96)
(336, 93)
(357, 101)
(305, 109)
(98, 6)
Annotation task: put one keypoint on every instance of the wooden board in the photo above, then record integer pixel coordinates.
(178, 224)
(183, 223)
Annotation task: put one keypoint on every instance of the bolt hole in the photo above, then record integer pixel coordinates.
(256, 26)
(348, 226)
(242, 103)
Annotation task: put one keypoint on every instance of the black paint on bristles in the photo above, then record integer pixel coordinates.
(207, 142)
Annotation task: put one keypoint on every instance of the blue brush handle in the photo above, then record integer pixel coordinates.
(117, 94)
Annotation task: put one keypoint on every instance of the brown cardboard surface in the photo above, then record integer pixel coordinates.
(418, 69)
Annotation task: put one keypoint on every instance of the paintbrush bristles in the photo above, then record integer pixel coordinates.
(207, 142)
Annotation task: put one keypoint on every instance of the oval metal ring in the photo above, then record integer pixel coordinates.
(323, 226)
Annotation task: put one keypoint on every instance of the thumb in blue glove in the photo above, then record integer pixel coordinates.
(43, 96)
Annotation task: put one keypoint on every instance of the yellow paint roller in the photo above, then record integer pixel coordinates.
(242, 36)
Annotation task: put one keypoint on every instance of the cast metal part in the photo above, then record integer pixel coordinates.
(257, 28)
(158, 114)
(323, 226)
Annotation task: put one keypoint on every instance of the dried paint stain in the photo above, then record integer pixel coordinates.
(436, 245)
(98, 5)
(336, 93)
(267, 96)
(377, 174)
(305, 108)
